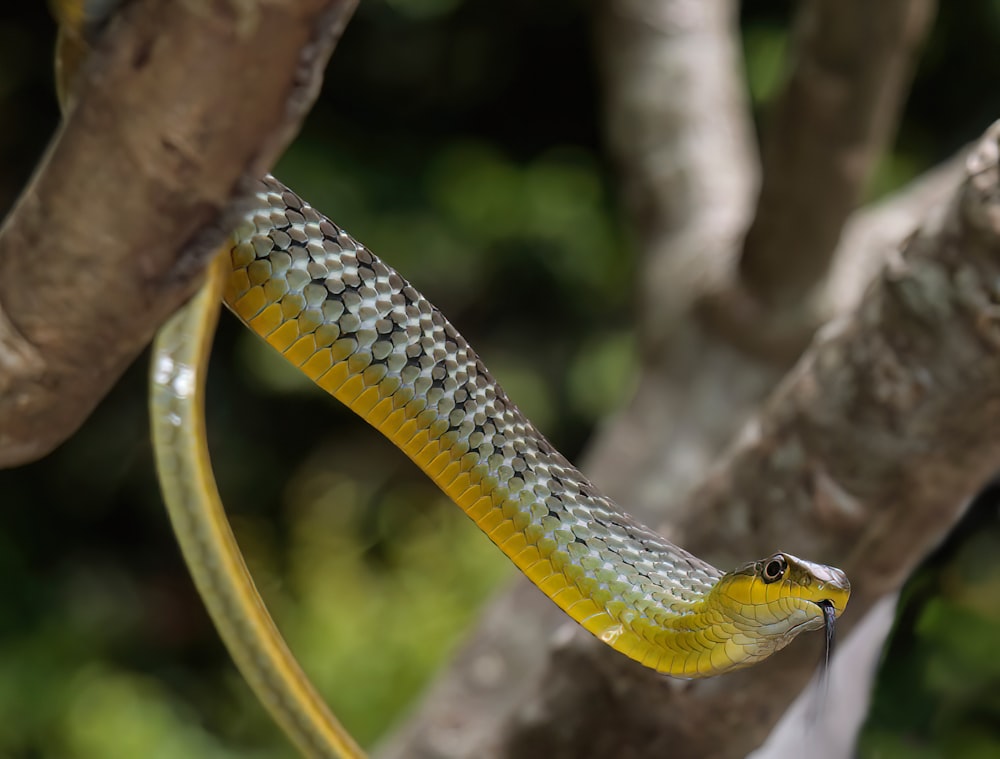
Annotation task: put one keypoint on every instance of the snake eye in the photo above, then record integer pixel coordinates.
(774, 569)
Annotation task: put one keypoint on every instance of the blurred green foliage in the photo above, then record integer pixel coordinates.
(461, 140)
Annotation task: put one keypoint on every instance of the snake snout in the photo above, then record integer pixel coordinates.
(835, 589)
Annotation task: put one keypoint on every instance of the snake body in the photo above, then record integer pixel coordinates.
(364, 334)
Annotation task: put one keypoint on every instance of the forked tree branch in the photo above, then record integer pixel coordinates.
(174, 109)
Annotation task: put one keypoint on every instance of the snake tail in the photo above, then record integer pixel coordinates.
(180, 355)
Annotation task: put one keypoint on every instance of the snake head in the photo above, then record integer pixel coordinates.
(772, 600)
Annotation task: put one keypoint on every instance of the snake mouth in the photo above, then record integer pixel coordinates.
(829, 609)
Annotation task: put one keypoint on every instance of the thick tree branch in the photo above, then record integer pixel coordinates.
(852, 66)
(871, 443)
(176, 106)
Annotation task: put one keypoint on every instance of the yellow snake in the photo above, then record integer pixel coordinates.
(362, 333)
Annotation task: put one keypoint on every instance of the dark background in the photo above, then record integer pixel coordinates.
(462, 141)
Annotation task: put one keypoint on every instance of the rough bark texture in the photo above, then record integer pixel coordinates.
(173, 110)
(852, 66)
(873, 235)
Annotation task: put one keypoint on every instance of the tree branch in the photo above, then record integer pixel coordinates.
(831, 123)
(174, 109)
(873, 235)
(853, 61)
(678, 124)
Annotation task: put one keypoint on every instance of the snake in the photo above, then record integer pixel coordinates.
(364, 334)
(360, 331)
